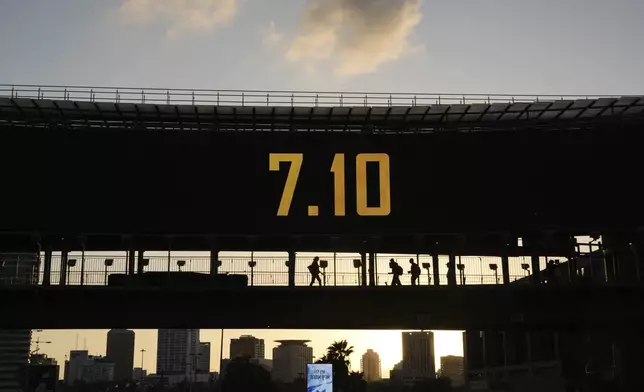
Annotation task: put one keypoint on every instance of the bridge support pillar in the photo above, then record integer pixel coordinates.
(536, 269)
(451, 270)
(372, 269)
(436, 270)
(130, 262)
(139, 262)
(363, 269)
(46, 279)
(291, 268)
(64, 255)
(214, 262)
(505, 267)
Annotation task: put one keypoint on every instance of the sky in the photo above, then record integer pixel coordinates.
(582, 47)
(438, 46)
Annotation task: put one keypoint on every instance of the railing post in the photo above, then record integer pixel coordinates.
(46, 279)
(505, 267)
(291, 268)
(436, 269)
(82, 277)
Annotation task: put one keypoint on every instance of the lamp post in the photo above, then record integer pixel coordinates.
(324, 264)
(429, 277)
(252, 265)
(180, 264)
(70, 263)
(108, 263)
(495, 268)
(461, 272)
(526, 268)
(357, 263)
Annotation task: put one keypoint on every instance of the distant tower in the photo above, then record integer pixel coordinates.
(370, 365)
(290, 359)
(120, 351)
(177, 351)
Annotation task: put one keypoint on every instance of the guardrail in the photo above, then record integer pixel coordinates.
(267, 98)
(261, 271)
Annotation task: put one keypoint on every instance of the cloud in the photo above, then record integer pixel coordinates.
(356, 35)
(181, 15)
(271, 35)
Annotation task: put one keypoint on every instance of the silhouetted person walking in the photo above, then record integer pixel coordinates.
(415, 272)
(314, 269)
(396, 271)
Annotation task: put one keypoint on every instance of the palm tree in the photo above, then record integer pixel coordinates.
(340, 351)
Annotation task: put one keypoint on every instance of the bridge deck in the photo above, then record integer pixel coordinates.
(327, 308)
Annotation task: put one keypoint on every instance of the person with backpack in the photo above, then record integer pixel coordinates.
(396, 271)
(314, 269)
(415, 272)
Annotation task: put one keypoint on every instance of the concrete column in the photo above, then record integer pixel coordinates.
(291, 269)
(436, 270)
(363, 269)
(64, 255)
(536, 269)
(372, 269)
(505, 268)
(46, 279)
(130, 262)
(214, 265)
(451, 270)
(139, 266)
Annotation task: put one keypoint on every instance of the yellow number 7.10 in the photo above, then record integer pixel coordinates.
(291, 179)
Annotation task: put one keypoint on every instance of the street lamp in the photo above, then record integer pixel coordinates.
(461, 272)
(526, 268)
(70, 263)
(495, 268)
(108, 263)
(181, 263)
(252, 265)
(429, 278)
(357, 263)
(324, 264)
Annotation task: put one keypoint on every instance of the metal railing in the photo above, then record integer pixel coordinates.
(95, 270)
(267, 98)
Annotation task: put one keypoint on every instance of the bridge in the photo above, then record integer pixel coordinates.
(458, 182)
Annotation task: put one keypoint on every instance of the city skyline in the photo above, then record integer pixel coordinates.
(388, 344)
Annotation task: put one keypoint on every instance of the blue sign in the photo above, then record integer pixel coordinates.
(319, 377)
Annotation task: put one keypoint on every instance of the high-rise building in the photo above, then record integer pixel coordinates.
(14, 358)
(15, 269)
(203, 363)
(139, 374)
(84, 367)
(370, 366)
(177, 352)
(290, 359)
(247, 346)
(418, 354)
(452, 368)
(120, 350)
(418, 359)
